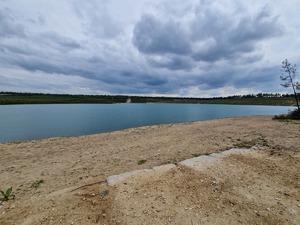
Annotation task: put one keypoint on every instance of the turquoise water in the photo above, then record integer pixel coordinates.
(25, 122)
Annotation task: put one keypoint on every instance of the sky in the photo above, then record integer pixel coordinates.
(191, 48)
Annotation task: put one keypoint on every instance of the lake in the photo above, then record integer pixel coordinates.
(26, 122)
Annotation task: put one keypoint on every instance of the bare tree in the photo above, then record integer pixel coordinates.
(289, 78)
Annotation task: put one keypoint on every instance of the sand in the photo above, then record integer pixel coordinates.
(258, 188)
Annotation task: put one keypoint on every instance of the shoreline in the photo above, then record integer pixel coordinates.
(66, 163)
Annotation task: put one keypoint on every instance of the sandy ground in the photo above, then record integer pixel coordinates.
(260, 188)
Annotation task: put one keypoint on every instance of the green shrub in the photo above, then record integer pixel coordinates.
(292, 115)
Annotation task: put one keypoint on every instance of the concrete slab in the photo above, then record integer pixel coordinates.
(201, 162)
(115, 179)
(197, 163)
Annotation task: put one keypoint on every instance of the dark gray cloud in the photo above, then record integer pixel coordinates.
(261, 26)
(153, 81)
(56, 41)
(96, 21)
(152, 36)
(263, 78)
(9, 28)
(258, 77)
(16, 49)
(39, 20)
(47, 52)
(172, 62)
(211, 37)
(230, 41)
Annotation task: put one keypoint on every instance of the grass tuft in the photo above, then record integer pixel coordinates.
(37, 183)
(248, 144)
(200, 154)
(142, 161)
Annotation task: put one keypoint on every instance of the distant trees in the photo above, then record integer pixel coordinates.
(268, 95)
(290, 79)
(259, 95)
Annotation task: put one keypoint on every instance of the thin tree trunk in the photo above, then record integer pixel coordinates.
(295, 93)
(296, 97)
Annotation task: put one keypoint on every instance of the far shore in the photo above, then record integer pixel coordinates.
(8, 98)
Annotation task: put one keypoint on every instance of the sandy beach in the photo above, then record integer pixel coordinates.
(63, 180)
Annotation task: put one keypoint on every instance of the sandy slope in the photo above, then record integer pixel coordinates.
(263, 188)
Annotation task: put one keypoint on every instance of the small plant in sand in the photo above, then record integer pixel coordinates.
(248, 144)
(8, 194)
(142, 161)
(200, 154)
(37, 183)
(104, 193)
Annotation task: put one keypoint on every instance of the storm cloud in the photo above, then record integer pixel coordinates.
(228, 39)
(152, 36)
(190, 48)
(210, 36)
